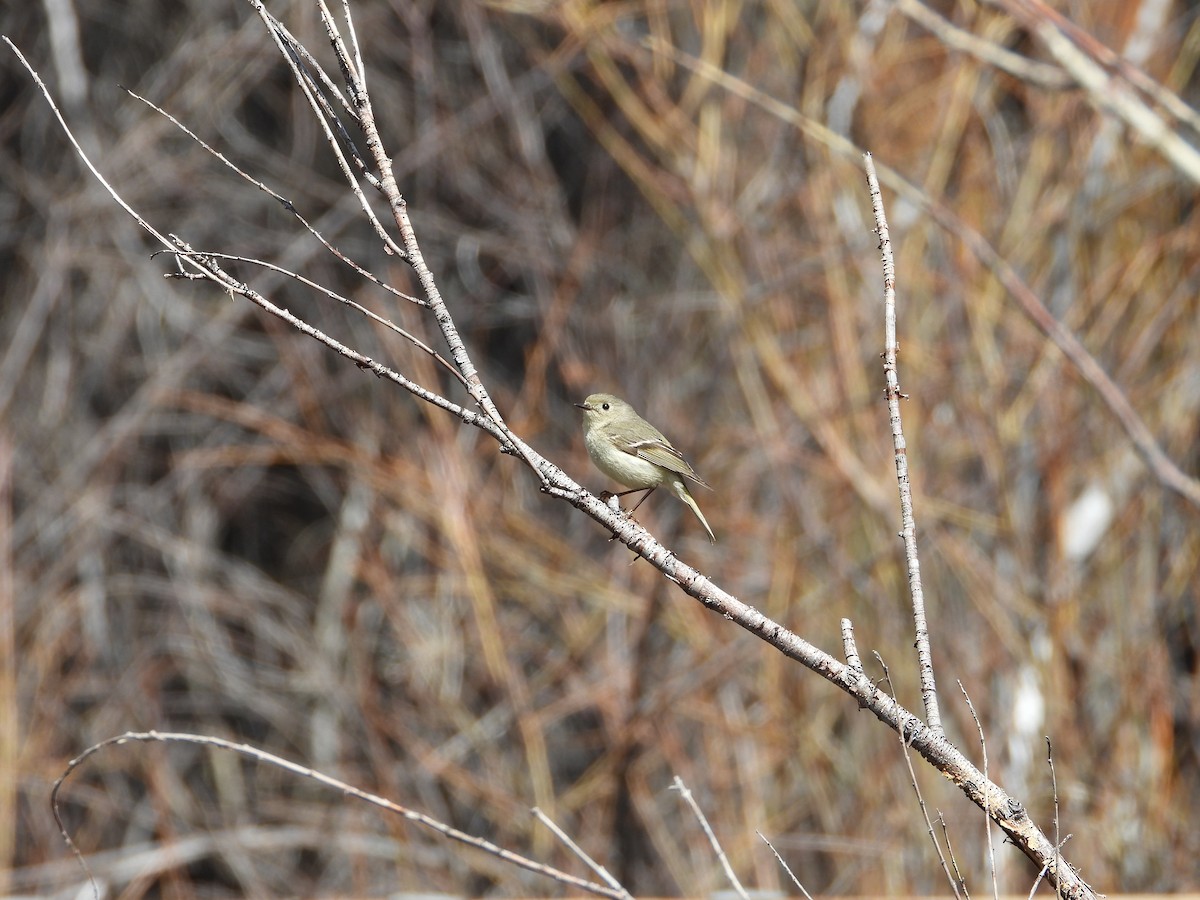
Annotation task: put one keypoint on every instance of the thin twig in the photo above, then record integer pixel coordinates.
(908, 522)
(283, 201)
(786, 867)
(286, 48)
(348, 789)
(359, 69)
(412, 252)
(958, 875)
(987, 815)
(712, 838)
(912, 779)
(206, 263)
(1054, 790)
(333, 295)
(607, 876)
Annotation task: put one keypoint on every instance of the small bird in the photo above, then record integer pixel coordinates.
(630, 450)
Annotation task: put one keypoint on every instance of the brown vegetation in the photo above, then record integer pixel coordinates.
(219, 526)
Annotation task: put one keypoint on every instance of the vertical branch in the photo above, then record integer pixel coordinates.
(908, 531)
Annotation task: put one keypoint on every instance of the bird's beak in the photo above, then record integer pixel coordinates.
(583, 406)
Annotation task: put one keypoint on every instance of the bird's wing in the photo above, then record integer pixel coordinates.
(657, 450)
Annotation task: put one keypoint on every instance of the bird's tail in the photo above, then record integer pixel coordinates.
(681, 490)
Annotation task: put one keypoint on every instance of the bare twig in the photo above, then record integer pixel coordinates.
(581, 853)
(908, 523)
(348, 789)
(958, 875)
(686, 794)
(333, 295)
(912, 779)
(283, 201)
(412, 251)
(288, 48)
(1054, 789)
(786, 867)
(987, 823)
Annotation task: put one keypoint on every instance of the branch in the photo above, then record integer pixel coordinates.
(908, 530)
(344, 787)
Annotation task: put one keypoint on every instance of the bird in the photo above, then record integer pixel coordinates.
(631, 451)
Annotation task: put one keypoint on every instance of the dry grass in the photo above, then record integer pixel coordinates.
(217, 526)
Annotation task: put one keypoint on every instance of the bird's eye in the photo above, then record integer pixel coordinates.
(604, 406)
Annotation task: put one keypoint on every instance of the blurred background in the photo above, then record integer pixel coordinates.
(213, 524)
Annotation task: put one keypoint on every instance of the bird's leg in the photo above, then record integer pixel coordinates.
(649, 491)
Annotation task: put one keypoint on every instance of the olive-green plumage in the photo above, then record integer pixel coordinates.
(630, 450)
